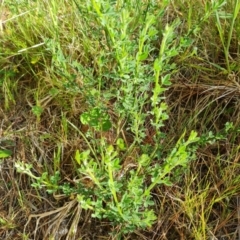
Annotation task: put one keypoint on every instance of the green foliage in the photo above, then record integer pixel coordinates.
(97, 119)
(117, 193)
(37, 111)
(113, 67)
(4, 153)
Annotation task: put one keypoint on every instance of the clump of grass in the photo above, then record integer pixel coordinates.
(100, 99)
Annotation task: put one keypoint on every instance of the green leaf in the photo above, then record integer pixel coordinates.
(157, 65)
(106, 125)
(97, 119)
(53, 92)
(166, 80)
(77, 157)
(144, 160)
(5, 153)
(121, 144)
(142, 56)
(83, 156)
(37, 110)
(193, 137)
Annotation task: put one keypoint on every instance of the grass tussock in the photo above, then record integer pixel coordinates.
(119, 120)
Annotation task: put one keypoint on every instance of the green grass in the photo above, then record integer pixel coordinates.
(119, 119)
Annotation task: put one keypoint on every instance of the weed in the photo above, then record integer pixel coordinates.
(117, 112)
